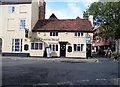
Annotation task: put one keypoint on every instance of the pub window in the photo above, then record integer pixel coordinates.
(78, 34)
(36, 46)
(78, 47)
(54, 33)
(53, 47)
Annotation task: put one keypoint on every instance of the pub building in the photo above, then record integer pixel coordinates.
(27, 32)
(65, 37)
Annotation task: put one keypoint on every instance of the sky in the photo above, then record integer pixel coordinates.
(67, 9)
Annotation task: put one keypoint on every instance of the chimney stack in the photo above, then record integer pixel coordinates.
(42, 7)
(91, 19)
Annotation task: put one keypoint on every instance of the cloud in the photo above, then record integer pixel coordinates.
(59, 14)
(87, 3)
(74, 8)
(64, 14)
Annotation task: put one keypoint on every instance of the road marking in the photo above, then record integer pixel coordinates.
(116, 79)
(85, 80)
(63, 83)
(40, 84)
(100, 79)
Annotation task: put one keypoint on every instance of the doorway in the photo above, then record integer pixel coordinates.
(88, 50)
(63, 49)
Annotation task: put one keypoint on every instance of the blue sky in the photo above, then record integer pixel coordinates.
(67, 9)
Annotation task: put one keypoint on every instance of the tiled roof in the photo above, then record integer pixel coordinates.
(15, 1)
(63, 25)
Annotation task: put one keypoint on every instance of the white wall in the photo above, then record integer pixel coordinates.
(0, 21)
(8, 35)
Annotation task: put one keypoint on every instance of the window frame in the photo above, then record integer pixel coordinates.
(36, 46)
(22, 23)
(53, 47)
(54, 33)
(11, 9)
(17, 46)
(78, 34)
(78, 47)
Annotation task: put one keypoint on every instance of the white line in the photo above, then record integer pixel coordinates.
(116, 79)
(100, 79)
(85, 80)
(62, 83)
(41, 84)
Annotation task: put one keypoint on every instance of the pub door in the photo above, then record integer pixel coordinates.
(63, 49)
(88, 48)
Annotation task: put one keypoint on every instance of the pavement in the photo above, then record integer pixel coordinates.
(69, 60)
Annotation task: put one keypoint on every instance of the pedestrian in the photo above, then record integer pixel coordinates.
(108, 53)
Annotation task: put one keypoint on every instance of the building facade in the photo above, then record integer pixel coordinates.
(16, 17)
(26, 32)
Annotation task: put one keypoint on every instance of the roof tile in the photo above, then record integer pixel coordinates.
(63, 25)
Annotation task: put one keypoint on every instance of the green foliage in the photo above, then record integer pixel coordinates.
(115, 54)
(101, 52)
(107, 15)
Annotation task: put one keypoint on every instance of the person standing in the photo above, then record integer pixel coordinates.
(109, 53)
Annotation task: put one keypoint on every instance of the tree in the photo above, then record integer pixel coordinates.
(106, 15)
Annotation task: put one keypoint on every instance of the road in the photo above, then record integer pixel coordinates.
(36, 72)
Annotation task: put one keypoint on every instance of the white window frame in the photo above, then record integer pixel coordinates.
(54, 33)
(38, 47)
(22, 24)
(11, 9)
(53, 47)
(78, 46)
(17, 46)
(78, 34)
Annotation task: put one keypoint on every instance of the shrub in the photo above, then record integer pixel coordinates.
(115, 54)
(101, 52)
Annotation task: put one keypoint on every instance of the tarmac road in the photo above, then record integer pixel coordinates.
(36, 72)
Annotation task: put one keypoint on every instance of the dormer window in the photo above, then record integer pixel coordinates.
(78, 34)
(11, 9)
(54, 33)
